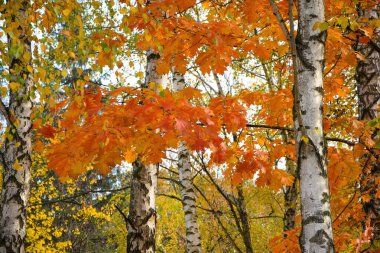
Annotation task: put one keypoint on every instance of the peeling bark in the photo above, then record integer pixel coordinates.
(193, 238)
(368, 86)
(16, 150)
(142, 207)
(142, 213)
(316, 233)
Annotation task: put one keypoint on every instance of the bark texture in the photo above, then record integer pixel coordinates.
(16, 150)
(291, 192)
(142, 215)
(368, 87)
(316, 233)
(243, 214)
(193, 238)
(290, 198)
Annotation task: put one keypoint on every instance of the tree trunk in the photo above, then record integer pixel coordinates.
(17, 147)
(368, 85)
(193, 238)
(243, 213)
(142, 215)
(316, 233)
(290, 198)
(291, 192)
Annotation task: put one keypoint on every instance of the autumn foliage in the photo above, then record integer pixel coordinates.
(235, 116)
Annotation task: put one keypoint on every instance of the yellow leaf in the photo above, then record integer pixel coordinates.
(119, 64)
(148, 36)
(17, 166)
(152, 85)
(30, 69)
(64, 73)
(3, 91)
(145, 17)
(42, 73)
(66, 32)
(305, 139)
(140, 74)
(14, 86)
(72, 55)
(66, 12)
(261, 141)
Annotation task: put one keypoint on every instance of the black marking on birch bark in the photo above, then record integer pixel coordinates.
(301, 48)
(313, 219)
(320, 37)
(188, 197)
(325, 197)
(153, 56)
(319, 90)
(320, 159)
(147, 218)
(312, 15)
(322, 238)
(299, 158)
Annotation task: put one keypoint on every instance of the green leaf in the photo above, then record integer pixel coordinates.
(377, 144)
(321, 26)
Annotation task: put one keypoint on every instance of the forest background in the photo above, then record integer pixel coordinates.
(197, 126)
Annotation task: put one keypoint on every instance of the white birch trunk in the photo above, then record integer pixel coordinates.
(316, 236)
(193, 238)
(142, 209)
(368, 85)
(142, 215)
(17, 148)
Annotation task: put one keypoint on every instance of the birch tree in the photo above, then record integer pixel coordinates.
(368, 85)
(193, 238)
(17, 148)
(142, 213)
(311, 147)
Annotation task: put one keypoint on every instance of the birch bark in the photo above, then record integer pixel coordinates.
(142, 215)
(368, 86)
(16, 150)
(193, 238)
(316, 233)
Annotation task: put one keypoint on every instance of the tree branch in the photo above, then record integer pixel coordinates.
(5, 112)
(66, 199)
(126, 220)
(334, 139)
(277, 13)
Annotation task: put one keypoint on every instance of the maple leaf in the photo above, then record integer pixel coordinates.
(47, 131)
(181, 125)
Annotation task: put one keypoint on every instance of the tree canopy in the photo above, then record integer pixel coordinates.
(191, 125)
